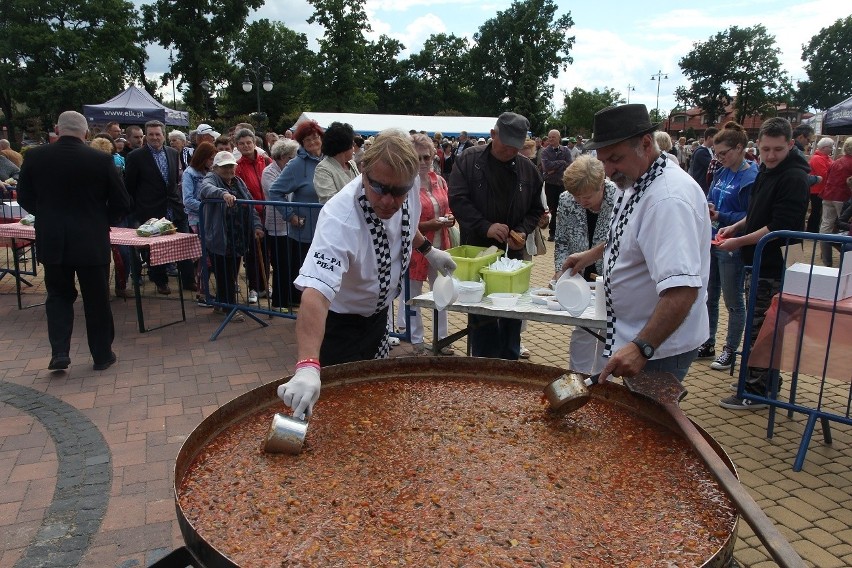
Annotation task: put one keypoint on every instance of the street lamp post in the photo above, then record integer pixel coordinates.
(630, 88)
(172, 71)
(658, 76)
(255, 68)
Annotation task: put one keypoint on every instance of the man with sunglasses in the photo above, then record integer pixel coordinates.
(496, 195)
(355, 266)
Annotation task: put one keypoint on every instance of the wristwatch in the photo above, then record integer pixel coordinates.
(425, 247)
(646, 349)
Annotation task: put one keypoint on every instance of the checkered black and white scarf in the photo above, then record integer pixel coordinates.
(381, 245)
(617, 225)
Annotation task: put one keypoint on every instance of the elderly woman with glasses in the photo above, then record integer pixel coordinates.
(356, 267)
(583, 217)
(435, 222)
(276, 225)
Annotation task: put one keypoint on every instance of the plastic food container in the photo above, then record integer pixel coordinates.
(516, 282)
(542, 295)
(574, 294)
(504, 299)
(467, 264)
(471, 292)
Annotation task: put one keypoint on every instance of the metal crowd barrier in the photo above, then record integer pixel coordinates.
(269, 266)
(806, 337)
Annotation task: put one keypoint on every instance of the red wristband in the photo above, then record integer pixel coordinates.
(308, 363)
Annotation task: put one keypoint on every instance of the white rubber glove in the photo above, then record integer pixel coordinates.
(441, 261)
(301, 392)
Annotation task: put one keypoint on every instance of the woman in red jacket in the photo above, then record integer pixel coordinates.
(835, 193)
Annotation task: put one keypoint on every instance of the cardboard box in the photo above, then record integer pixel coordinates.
(823, 280)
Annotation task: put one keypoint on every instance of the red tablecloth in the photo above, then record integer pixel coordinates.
(827, 332)
(163, 249)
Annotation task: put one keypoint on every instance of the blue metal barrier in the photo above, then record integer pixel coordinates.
(271, 264)
(820, 407)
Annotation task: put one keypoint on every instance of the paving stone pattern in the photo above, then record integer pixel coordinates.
(64, 434)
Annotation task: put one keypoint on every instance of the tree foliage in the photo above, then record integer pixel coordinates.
(337, 83)
(738, 64)
(443, 69)
(57, 56)
(828, 58)
(579, 107)
(205, 49)
(269, 50)
(515, 55)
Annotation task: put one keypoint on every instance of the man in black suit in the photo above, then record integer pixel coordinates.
(151, 176)
(75, 193)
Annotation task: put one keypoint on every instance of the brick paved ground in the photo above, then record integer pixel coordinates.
(86, 457)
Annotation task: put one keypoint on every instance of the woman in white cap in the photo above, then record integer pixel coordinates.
(228, 229)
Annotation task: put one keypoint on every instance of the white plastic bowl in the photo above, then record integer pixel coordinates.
(504, 299)
(574, 294)
(470, 292)
(445, 291)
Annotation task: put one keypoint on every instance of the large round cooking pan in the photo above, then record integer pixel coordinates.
(205, 553)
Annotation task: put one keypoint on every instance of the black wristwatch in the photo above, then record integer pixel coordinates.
(425, 247)
(646, 349)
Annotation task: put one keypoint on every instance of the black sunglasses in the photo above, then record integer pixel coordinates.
(381, 189)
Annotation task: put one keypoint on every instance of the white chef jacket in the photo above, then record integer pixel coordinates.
(341, 262)
(663, 246)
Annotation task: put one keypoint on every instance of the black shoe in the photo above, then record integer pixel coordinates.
(106, 364)
(706, 351)
(59, 362)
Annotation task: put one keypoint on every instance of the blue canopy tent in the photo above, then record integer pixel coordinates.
(838, 119)
(134, 106)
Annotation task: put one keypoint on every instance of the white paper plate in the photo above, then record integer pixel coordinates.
(542, 295)
(574, 294)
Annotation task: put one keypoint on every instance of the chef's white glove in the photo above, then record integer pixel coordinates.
(301, 392)
(441, 261)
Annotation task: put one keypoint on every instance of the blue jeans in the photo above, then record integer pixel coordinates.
(727, 279)
(677, 365)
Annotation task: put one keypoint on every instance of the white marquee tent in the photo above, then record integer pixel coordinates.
(370, 124)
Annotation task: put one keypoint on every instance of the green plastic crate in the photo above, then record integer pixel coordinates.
(467, 266)
(517, 281)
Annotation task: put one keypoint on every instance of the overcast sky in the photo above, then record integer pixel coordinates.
(618, 43)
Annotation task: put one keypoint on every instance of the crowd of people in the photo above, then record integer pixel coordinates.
(669, 227)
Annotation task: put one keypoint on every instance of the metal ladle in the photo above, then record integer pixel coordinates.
(569, 392)
(286, 435)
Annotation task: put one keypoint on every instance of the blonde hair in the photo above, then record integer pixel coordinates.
(529, 144)
(101, 144)
(664, 141)
(395, 148)
(584, 175)
(847, 146)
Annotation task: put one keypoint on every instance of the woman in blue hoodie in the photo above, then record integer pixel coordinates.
(296, 184)
(727, 200)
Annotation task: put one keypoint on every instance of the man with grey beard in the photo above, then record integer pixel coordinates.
(657, 254)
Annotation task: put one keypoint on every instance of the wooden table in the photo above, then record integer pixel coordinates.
(524, 310)
(163, 249)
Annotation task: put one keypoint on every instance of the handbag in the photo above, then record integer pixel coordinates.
(455, 236)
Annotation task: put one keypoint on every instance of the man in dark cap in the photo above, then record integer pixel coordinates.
(496, 198)
(656, 257)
